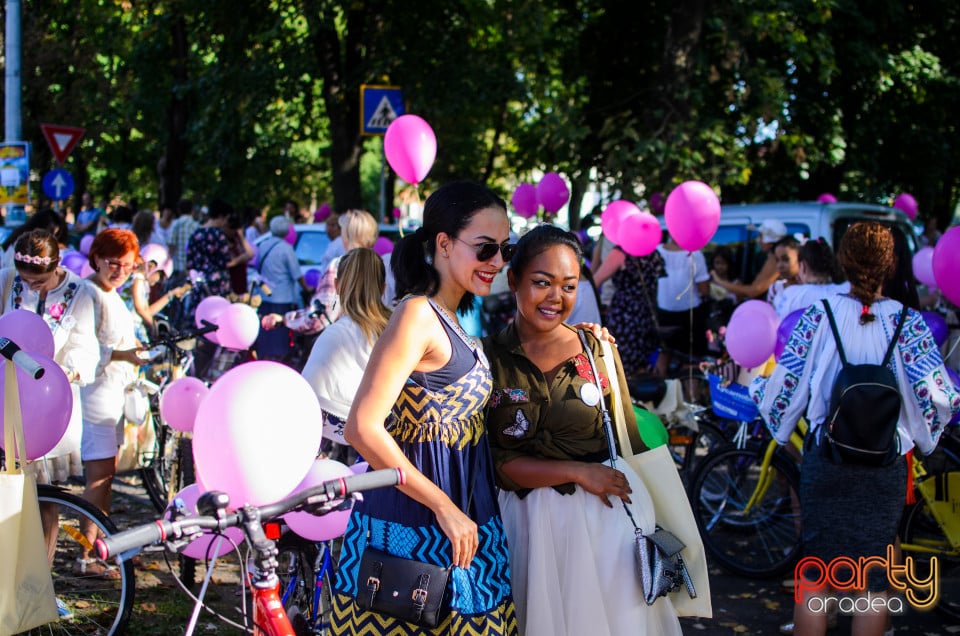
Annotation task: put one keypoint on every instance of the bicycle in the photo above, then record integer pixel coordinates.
(306, 571)
(931, 526)
(88, 604)
(269, 617)
(744, 494)
(170, 466)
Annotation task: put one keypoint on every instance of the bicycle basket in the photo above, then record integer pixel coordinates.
(731, 400)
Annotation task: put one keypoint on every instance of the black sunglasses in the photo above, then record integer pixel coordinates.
(486, 251)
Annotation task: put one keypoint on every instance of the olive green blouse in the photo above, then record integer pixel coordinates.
(531, 416)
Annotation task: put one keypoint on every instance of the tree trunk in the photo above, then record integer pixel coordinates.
(170, 167)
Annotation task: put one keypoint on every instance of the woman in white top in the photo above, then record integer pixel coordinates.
(683, 289)
(816, 271)
(113, 255)
(39, 284)
(852, 510)
(339, 355)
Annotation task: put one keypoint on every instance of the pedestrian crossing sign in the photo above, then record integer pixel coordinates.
(379, 106)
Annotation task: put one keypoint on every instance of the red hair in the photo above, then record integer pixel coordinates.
(113, 243)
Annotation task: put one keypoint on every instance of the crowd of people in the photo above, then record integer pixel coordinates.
(501, 439)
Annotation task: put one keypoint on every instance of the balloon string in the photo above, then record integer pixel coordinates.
(689, 286)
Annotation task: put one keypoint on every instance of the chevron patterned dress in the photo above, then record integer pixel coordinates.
(442, 432)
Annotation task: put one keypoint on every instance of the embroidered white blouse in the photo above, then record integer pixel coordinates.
(803, 379)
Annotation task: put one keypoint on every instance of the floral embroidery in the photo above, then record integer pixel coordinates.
(585, 372)
(17, 292)
(58, 310)
(514, 395)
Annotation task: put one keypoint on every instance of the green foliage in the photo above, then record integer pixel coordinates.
(258, 101)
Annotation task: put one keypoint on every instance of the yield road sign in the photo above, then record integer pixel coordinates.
(61, 139)
(379, 105)
(57, 184)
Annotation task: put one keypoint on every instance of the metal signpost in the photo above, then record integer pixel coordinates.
(379, 106)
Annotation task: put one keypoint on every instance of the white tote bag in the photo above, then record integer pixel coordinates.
(26, 587)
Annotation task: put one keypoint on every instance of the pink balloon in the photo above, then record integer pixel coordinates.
(397, 213)
(524, 200)
(785, 329)
(257, 433)
(639, 233)
(907, 203)
(85, 243)
(383, 245)
(331, 525)
(752, 333)
(692, 214)
(946, 264)
(239, 326)
(923, 266)
(180, 402)
(28, 331)
(322, 213)
(411, 147)
(159, 255)
(359, 468)
(74, 261)
(210, 309)
(291, 236)
(612, 217)
(46, 405)
(826, 197)
(202, 546)
(552, 192)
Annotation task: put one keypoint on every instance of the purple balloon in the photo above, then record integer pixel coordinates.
(312, 277)
(46, 404)
(524, 200)
(321, 213)
(907, 203)
(826, 197)
(74, 261)
(785, 329)
(28, 331)
(937, 325)
(552, 192)
(383, 245)
(923, 266)
(752, 333)
(946, 264)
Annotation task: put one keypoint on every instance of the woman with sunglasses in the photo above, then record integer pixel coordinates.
(38, 283)
(113, 256)
(432, 381)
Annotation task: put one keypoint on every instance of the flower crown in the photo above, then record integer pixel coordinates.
(36, 260)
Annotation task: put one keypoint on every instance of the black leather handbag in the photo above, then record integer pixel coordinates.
(410, 590)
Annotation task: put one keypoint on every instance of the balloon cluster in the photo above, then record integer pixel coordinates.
(238, 323)
(551, 193)
(691, 213)
(49, 398)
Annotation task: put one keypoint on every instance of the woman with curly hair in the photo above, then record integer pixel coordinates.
(839, 521)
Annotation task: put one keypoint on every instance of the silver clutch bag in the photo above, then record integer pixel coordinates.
(659, 564)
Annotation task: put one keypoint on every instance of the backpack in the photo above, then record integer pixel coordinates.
(864, 408)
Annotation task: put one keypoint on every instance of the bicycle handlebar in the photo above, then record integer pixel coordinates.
(163, 529)
(11, 351)
(186, 334)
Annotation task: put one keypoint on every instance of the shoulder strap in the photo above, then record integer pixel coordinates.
(836, 333)
(260, 261)
(896, 336)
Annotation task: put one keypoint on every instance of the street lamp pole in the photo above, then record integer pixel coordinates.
(13, 124)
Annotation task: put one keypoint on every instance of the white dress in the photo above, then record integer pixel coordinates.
(103, 398)
(68, 311)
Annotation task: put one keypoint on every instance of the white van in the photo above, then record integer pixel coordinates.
(738, 223)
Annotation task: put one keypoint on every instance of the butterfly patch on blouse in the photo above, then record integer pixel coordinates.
(520, 425)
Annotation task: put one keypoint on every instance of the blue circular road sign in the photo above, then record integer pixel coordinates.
(57, 184)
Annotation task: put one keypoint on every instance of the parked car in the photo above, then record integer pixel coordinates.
(738, 223)
(312, 241)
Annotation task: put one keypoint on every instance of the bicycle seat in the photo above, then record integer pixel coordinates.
(647, 388)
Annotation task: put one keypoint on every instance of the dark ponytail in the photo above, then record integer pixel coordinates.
(449, 209)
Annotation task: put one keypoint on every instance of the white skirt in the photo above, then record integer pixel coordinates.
(572, 564)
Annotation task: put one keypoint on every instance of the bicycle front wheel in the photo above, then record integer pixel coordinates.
(93, 602)
(923, 537)
(748, 513)
(305, 570)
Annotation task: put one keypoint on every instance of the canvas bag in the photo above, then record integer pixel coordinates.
(26, 587)
(659, 474)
